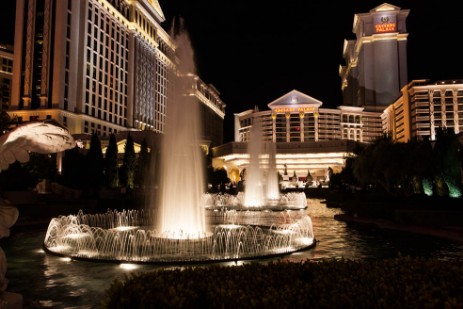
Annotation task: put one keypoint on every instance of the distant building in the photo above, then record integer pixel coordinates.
(101, 66)
(423, 108)
(308, 137)
(297, 117)
(6, 72)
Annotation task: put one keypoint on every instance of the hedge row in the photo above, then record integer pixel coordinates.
(402, 282)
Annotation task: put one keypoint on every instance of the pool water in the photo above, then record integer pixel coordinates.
(49, 281)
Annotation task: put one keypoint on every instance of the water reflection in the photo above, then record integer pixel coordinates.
(53, 282)
(352, 241)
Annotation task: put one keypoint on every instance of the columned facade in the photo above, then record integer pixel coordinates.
(423, 108)
(297, 118)
(308, 138)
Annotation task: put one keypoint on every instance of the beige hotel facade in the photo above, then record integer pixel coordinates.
(101, 66)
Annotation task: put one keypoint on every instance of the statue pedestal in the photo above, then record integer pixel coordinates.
(8, 216)
(10, 300)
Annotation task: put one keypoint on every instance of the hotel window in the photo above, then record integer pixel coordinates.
(309, 127)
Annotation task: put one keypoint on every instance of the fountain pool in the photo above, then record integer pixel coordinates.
(128, 237)
(176, 226)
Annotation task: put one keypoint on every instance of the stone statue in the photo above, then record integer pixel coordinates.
(40, 137)
(8, 216)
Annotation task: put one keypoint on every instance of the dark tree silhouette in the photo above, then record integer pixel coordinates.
(111, 164)
(94, 165)
(73, 174)
(447, 163)
(128, 165)
(217, 178)
(387, 165)
(5, 120)
(42, 166)
(143, 166)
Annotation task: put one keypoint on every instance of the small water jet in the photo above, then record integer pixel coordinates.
(273, 188)
(235, 235)
(182, 226)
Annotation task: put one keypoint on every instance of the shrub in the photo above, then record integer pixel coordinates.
(402, 282)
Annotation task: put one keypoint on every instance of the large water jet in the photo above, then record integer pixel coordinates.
(182, 181)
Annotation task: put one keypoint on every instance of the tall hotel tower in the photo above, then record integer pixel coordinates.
(6, 73)
(376, 62)
(99, 66)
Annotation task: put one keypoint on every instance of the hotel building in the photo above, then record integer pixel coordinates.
(424, 107)
(6, 72)
(376, 62)
(377, 100)
(101, 66)
(307, 136)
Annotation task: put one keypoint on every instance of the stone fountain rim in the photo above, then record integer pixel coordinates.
(178, 262)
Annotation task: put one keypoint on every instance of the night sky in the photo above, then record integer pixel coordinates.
(254, 51)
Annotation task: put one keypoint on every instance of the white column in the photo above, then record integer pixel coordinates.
(315, 115)
(301, 125)
(288, 117)
(274, 128)
(456, 122)
(431, 115)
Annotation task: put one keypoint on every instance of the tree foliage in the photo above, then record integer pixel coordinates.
(403, 169)
(73, 174)
(217, 178)
(143, 166)
(392, 166)
(5, 120)
(128, 164)
(111, 163)
(94, 164)
(447, 163)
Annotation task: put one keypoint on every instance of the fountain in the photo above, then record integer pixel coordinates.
(273, 189)
(181, 227)
(262, 190)
(180, 210)
(254, 195)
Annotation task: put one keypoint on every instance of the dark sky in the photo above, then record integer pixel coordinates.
(255, 51)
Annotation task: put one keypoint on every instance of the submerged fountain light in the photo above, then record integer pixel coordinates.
(181, 222)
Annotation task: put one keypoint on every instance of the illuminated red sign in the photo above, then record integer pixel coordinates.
(293, 109)
(385, 24)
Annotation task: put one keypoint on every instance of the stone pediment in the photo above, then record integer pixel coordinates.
(294, 100)
(157, 9)
(385, 7)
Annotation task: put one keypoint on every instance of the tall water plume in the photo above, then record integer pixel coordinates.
(254, 177)
(180, 212)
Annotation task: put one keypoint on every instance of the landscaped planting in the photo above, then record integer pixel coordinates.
(402, 282)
